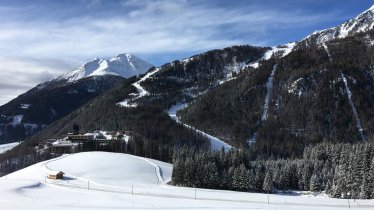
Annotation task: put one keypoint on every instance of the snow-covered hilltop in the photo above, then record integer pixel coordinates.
(362, 23)
(124, 65)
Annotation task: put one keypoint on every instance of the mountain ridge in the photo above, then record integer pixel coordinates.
(361, 23)
(124, 65)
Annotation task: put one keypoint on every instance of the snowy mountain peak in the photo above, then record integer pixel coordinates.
(124, 56)
(371, 8)
(362, 23)
(124, 65)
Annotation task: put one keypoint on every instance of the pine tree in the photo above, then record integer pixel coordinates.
(370, 179)
(338, 183)
(268, 182)
(210, 175)
(189, 172)
(357, 171)
(315, 183)
(252, 181)
(306, 174)
(236, 179)
(259, 179)
(341, 179)
(244, 178)
(199, 176)
(231, 174)
(224, 180)
(364, 190)
(177, 174)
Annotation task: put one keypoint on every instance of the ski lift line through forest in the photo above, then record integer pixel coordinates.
(349, 94)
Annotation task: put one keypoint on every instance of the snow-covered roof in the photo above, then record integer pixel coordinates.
(63, 143)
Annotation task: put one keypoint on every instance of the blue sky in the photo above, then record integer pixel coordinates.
(41, 39)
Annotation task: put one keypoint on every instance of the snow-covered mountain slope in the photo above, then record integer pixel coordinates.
(124, 65)
(35, 109)
(215, 143)
(53, 99)
(141, 91)
(192, 76)
(120, 181)
(278, 51)
(362, 23)
(6, 147)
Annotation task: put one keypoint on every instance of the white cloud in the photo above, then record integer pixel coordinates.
(146, 28)
(21, 74)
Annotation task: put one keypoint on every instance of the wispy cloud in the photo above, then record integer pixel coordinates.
(148, 28)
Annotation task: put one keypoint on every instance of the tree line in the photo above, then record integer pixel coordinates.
(339, 170)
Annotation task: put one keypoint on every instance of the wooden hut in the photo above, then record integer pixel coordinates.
(55, 175)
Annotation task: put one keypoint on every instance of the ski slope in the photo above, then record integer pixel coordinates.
(269, 89)
(141, 91)
(215, 143)
(100, 180)
(327, 51)
(354, 110)
(6, 147)
(281, 51)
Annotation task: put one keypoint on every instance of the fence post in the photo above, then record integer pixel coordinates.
(132, 189)
(88, 185)
(195, 194)
(349, 204)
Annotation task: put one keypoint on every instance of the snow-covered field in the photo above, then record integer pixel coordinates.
(6, 147)
(100, 180)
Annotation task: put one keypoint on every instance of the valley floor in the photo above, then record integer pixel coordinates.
(99, 180)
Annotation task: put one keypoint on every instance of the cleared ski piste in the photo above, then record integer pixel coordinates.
(100, 180)
(215, 143)
(6, 147)
(141, 91)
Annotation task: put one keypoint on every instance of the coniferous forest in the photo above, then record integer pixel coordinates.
(340, 170)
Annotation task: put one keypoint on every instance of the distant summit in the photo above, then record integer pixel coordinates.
(124, 65)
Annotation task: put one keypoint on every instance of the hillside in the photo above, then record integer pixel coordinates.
(36, 109)
(315, 93)
(133, 182)
(167, 87)
(52, 100)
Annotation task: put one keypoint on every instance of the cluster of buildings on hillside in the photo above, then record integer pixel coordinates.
(71, 142)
